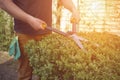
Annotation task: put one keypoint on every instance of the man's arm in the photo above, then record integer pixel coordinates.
(68, 4)
(10, 7)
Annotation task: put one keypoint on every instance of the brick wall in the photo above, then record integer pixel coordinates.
(96, 15)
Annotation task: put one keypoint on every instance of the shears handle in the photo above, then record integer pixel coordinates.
(44, 25)
(55, 30)
(74, 22)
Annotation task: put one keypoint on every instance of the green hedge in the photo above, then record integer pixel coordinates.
(58, 58)
(6, 30)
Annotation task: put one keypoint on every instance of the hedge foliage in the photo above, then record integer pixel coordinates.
(6, 30)
(56, 57)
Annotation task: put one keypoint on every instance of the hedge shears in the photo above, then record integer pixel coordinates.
(72, 34)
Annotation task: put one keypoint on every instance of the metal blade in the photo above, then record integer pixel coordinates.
(77, 41)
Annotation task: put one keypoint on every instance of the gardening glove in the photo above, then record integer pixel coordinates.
(14, 48)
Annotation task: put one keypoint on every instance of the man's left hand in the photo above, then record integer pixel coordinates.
(75, 18)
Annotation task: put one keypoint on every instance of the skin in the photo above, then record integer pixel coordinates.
(10, 7)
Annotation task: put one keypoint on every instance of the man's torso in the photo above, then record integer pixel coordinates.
(41, 9)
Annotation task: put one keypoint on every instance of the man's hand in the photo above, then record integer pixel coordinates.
(36, 23)
(68, 4)
(18, 13)
(75, 18)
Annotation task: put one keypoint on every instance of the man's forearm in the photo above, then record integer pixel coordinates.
(68, 4)
(75, 18)
(14, 10)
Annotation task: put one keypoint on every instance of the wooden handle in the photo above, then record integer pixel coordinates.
(74, 22)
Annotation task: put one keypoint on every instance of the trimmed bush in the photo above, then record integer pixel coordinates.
(56, 57)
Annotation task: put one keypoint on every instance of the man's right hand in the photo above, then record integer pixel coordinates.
(36, 23)
(18, 13)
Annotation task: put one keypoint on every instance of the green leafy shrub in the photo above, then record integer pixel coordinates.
(6, 30)
(58, 58)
